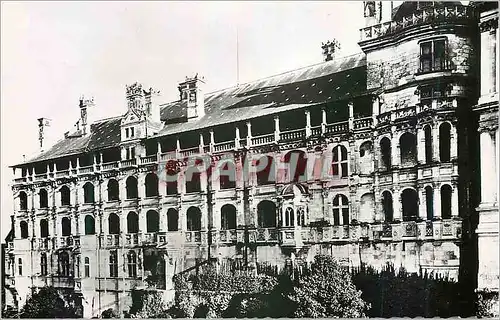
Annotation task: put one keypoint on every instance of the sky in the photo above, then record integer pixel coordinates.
(54, 52)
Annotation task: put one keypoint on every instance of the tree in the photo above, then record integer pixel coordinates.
(148, 304)
(48, 303)
(328, 291)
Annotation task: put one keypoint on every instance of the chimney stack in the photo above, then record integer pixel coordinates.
(330, 48)
(191, 91)
(43, 123)
(152, 104)
(85, 104)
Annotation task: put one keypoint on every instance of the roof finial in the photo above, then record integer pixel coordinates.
(330, 48)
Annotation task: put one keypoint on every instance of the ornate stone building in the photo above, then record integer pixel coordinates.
(372, 158)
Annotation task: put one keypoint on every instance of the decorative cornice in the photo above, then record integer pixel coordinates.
(489, 24)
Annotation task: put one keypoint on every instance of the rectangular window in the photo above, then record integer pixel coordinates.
(132, 152)
(20, 266)
(132, 132)
(433, 92)
(127, 153)
(433, 55)
(126, 133)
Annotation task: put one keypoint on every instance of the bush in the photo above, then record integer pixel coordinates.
(48, 303)
(109, 313)
(328, 291)
(148, 304)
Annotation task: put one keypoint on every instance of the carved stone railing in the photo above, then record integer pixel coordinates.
(87, 169)
(109, 166)
(224, 146)
(129, 163)
(315, 131)
(267, 235)
(363, 123)
(227, 236)
(193, 236)
(40, 177)
(168, 156)
(20, 180)
(435, 14)
(293, 135)
(131, 239)
(190, 151)
(263, 140)
(338, 127)
(149, 159)
(62, 173)
(405, 112)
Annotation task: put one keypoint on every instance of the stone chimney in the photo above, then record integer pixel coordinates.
(152, 104)
(86, 106)
(330, 48)
(191, 91)
(43, 123)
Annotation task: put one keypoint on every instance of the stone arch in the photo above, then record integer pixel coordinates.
(172, 220)
(409, 202)
(408, 149)
(385, 153)
(65, 196)
(113, 223)
(446, 192)
(88, 193)
(367, 207)
(152, 221)
(266, 214)
(132, 222)
(228, 217)
(113, 190)
(387, 206)
(445, 142)
(131, 186)
(193, 219)
(151, 185)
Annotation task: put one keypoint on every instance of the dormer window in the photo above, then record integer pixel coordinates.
(130, 153)
(132, 132)
(433, 55)
(127, 134)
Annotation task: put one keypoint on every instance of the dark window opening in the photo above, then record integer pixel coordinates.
(387, 206)
(44, 198)
(131, 186)
(339, 162)
(64, 264)
(297, 164)
(193, 219)
(113, 224)
(265, 175)
(23, 201)
(262, 126)
(446, 202)
(113, 190)
(43, 264)
(433, 55)
(88, 193)
(89, 225)
(409, 199)
(193, 182)
(227, 177)
(44, 228)
(266, 214)
(444, 142)
(132, 264)
(341, 207)
(408, 147)
(87, 267)
(228, 217)
(24, 229)
(132, 222)
(66, 226)
(429, 202)
(65, 196)
(151, 147)
(152, 221)
(172, 220)
(151, 185)
(113, 264)
(428, 144)
(385, 153)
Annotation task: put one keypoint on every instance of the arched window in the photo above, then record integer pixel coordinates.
(409, 200)
(152, 221)
(289, 218)
(113, 190)
(132, 264)
(171, 169)
(193, 219)
(44, 228)
(43, 264)
(446, 202)
(387, 206)
(429, 202)
(65, 196)
(88, 193)
(297, 165)
(89, 225)
(428, 144)
(113, 223)
(444, 142)
(266, 214)
(408, 147)
(44, 198)
(64, 264)
(385, 153)
(113, 264)
(228, 217)
(365, 157)
(66, 226)
(367, 207)
(151, 184)
(339, 161)
(265, 170)
(132, 222)
(172, 220)
(87, 267)
(340, 209)
(20, 266)
(227, 177)
(24, 229)
(23, 201)
(131, 185)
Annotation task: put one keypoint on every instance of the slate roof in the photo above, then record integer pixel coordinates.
(103, 134)
(327, 81)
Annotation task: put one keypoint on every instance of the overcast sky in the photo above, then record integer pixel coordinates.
(54, 52)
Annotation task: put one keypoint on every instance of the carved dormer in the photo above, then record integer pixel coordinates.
(191, 92)
(86, 106)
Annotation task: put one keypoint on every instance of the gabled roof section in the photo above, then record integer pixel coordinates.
(328, 81)
(103, 134)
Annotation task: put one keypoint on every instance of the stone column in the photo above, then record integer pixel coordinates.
(375, 110)
(323, 120)
(396, 205)
(422, 203)
(350, 105)
(212, 140)
(276, 128)
(141, 187)
(437, 201)
(142, 221)
(453, 142)
(420, 145)
(202, 143)
(249, 134)
(308, 123)
(488, 166)
(395, 154)
(454, 201)
(435, 142)
(237, 138)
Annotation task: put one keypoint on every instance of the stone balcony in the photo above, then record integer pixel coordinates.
(438, 14)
